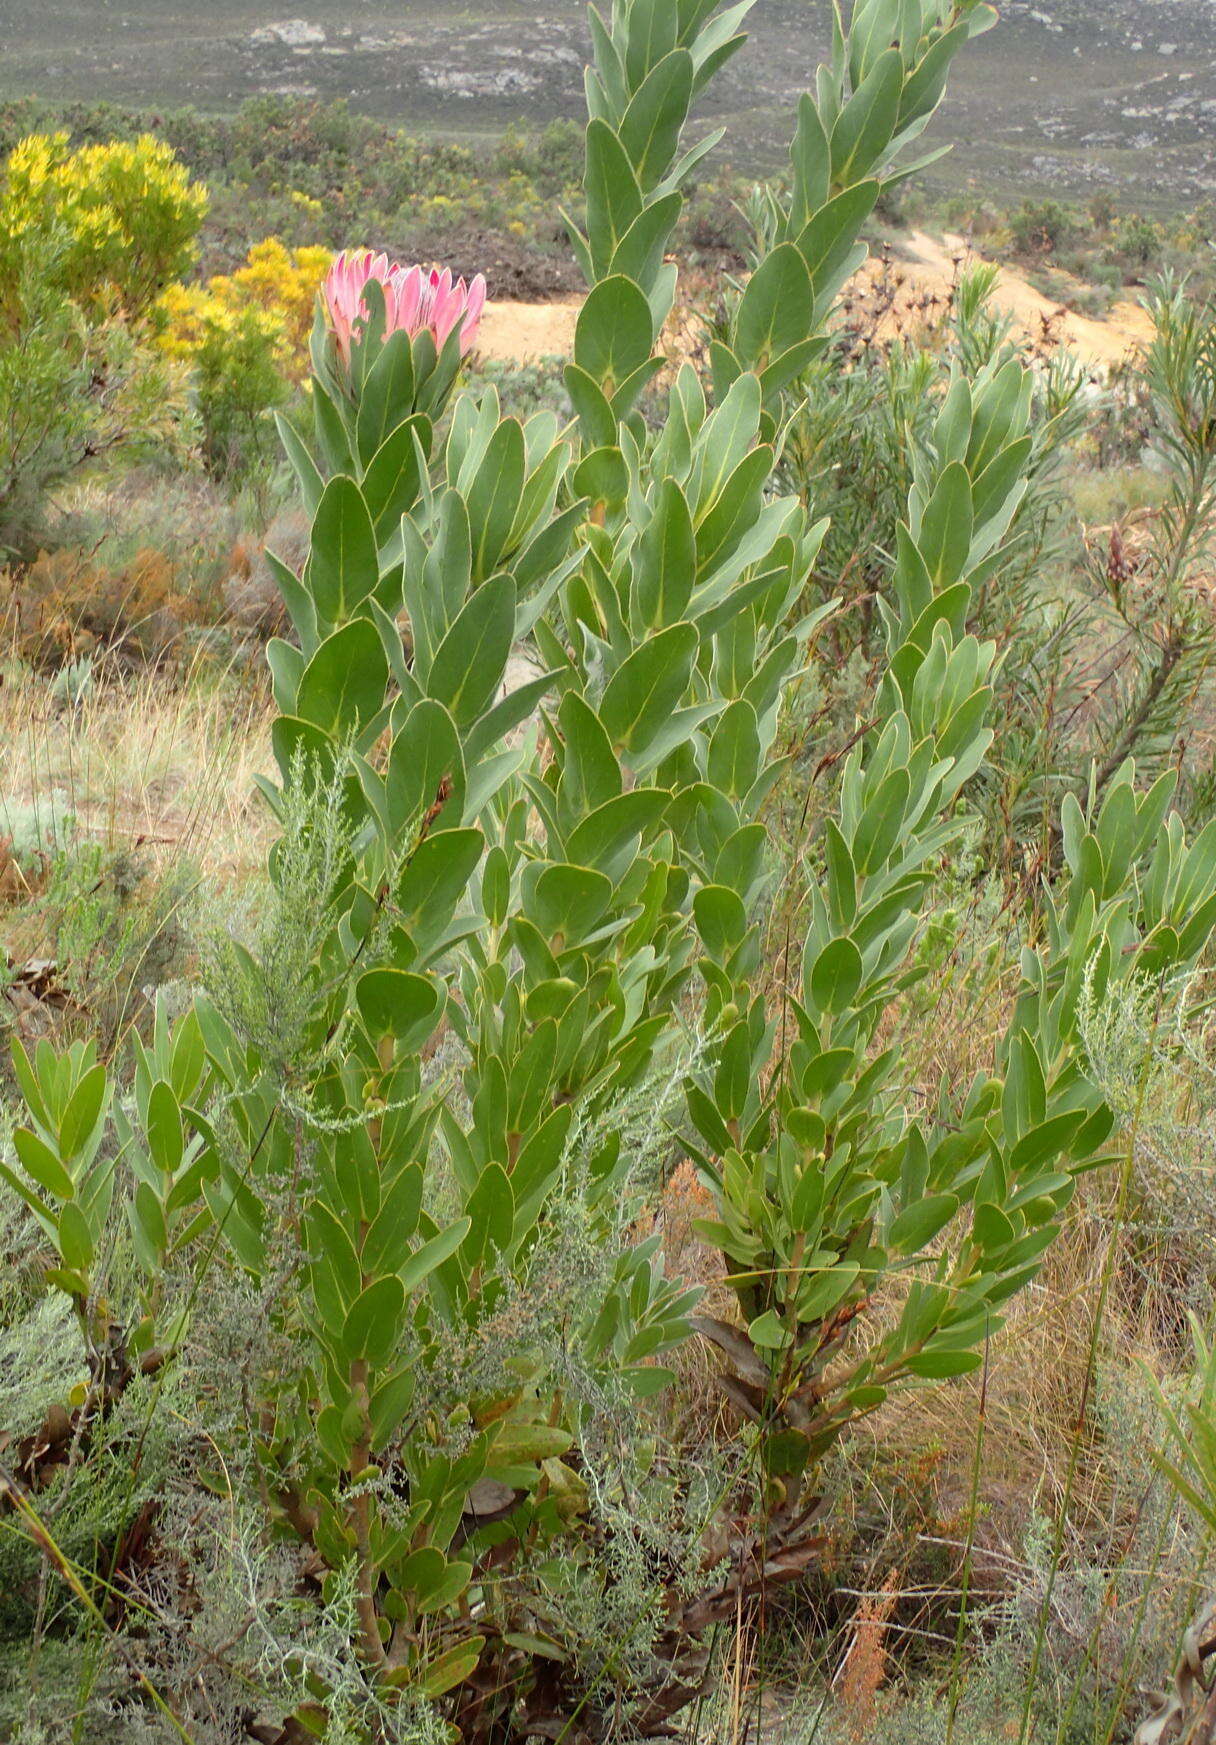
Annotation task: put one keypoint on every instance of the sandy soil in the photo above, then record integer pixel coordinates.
(932, 265)
(925, 268)
(522, 332)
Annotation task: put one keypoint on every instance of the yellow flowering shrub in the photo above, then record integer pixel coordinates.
(285, 282)
(233, 350)
(106, 223)
(273, 294)
(245, 337)
(88, 240)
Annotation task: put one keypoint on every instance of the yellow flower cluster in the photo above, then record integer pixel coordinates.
(273, 295)
(106, 223)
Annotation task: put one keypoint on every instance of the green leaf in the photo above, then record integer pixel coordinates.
(337, 1279)
(343, 567)
(725, 438)
(514, 1443)
(924, 87)
(448, 1670)
(647, 688)
(639, 254)
(842, 875)
(393, 481)
(445, 578)
(566, 901)
(881, 824)
(650, 127)
(286, 662)
(342, 687)
(506, 715)
(164, 1129)
(424, 761)
(41, 1165)
(666, 562)
(652, 31)
(432, 1253)
(83, 1111)
(532, 1645)
(721, 918)
(291, 738)
(392, 1002)
(602, 476)
(31, 1085)
(1049, 1140)
(389, 1404)
(781, 372)
(470, 661)
(374, 1322)
(836, 976)
(75, 1238)
(297, 599)
(991, 1228)
(189, 1058)
(777, 311)
(591, 774)
(768, 1333)
(614, 333)
(614, 199)
(493, 497)
(811, 161)
(311, 484)
(491, 1209)
(864, 127)
(944, 535)
(539, 1161)
(444, 1592)
(387, 394)
(608, 834)
(734, 750)
(919, 1223)
(435, 880)
(829, 238)
(34, 1201)
(330, 428)
(595, 415)
(386, 1244)
(942, 1365)
(148, 1229)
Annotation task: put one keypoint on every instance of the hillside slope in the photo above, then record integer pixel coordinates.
(1066, 94)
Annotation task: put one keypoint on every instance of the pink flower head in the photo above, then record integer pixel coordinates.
(414, 301)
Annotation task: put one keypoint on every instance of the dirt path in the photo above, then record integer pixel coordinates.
(932, 265)
(520, 333)
(925, 266)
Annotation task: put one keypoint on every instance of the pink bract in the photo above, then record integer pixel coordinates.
(414, 300)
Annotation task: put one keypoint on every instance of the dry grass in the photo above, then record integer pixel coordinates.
(146, 760)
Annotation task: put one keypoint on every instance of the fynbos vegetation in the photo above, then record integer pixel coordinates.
(346, 1353)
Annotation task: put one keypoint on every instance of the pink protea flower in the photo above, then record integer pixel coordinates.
(414, 301)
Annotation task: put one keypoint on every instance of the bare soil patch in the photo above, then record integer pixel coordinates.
(924, 268)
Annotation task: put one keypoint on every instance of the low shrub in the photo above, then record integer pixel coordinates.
(87, 241)
(117, 221)
(1043, 227)
(67, 604)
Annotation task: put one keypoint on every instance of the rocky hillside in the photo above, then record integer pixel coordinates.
(1069, 95)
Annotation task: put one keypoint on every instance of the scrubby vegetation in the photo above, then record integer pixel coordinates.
(607, 1096)
(314, 173)
(1088, 256)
